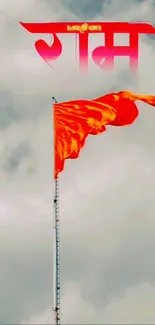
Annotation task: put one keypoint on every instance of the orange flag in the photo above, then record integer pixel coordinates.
(75, 120)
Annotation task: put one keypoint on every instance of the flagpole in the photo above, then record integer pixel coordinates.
(56, 252)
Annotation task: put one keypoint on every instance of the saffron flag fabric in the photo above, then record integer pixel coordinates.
(75, 120)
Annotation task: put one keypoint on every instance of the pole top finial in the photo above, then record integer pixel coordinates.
(54, 99)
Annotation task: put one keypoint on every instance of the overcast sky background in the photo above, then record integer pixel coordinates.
(106, 196)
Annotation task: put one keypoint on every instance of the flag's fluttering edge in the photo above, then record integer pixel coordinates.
(75, 120)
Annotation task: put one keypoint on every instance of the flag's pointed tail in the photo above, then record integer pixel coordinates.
(148, 99)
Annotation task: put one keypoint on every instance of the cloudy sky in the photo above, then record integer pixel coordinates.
(107, 195)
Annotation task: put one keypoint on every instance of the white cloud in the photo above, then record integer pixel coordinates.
(136, 306)
(107, 195)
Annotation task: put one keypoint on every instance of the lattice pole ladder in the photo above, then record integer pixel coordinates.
(56, 258)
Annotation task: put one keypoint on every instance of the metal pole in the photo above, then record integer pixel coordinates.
(56, 258)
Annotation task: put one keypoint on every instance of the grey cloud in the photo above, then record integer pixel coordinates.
(13, 157)
(107, 197)
(26, 271)
(84, 8)
(7, 110)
